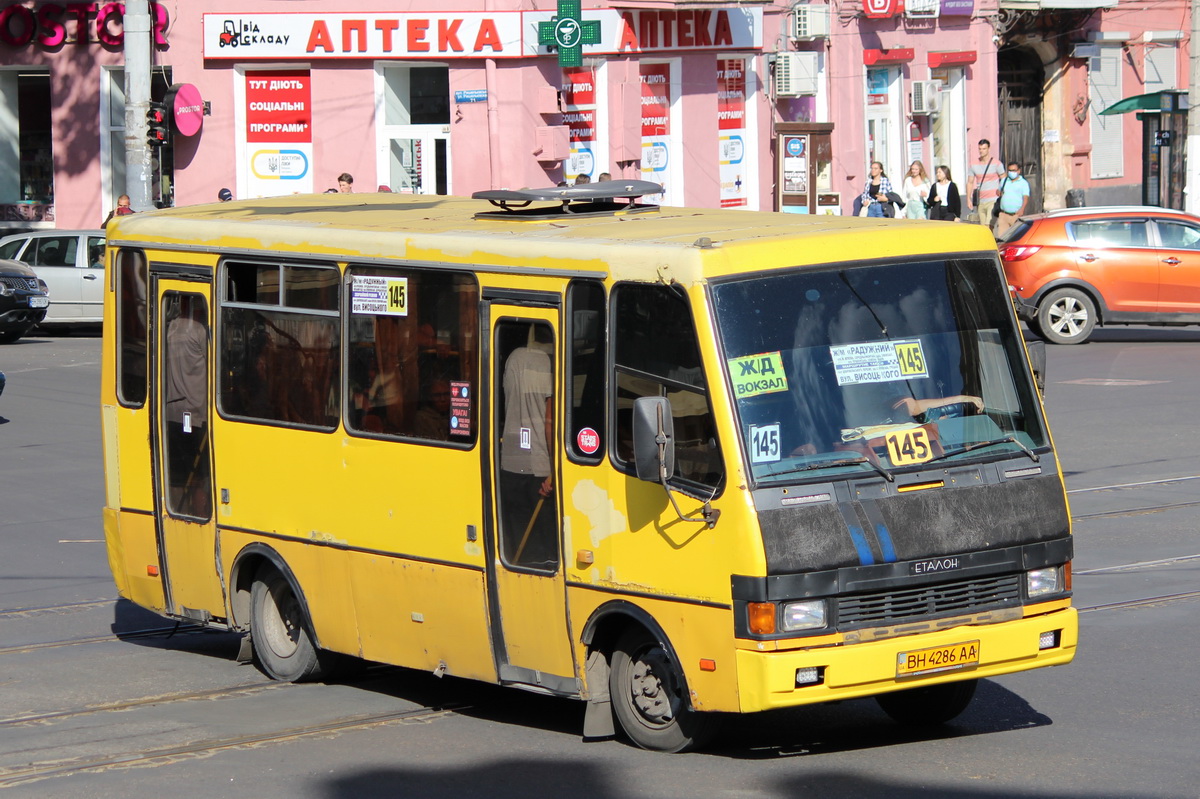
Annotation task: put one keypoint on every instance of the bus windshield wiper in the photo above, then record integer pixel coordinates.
(1009, 439)
(840, 461)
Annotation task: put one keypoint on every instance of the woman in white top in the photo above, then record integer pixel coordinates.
(916, 190)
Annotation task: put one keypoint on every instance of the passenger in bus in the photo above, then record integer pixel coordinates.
(525, 465)
(433, 417)
(186, 405)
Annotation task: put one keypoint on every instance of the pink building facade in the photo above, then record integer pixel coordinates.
(754, 105)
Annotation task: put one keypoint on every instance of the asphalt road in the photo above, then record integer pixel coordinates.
(148, 712)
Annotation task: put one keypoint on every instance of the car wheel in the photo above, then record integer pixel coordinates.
(1066, 316)
(9, 336)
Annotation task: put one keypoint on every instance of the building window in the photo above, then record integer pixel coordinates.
(26, 147)
(1108, 143)
(112, 142)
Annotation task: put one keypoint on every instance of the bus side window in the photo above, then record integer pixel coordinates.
(586, 367)
(657, 354)
(279, 343)
(412, 368)
(131, 326)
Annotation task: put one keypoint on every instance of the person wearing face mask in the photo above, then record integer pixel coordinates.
(1014, 196)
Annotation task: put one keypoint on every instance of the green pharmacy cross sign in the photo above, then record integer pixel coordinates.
(569, 33)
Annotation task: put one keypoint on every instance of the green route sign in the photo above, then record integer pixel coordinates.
(569, 33)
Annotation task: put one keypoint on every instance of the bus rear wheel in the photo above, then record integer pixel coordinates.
(647, 693)
(929, 706)
(282, 644)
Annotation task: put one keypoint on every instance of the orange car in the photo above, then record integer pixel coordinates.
(1124, 265)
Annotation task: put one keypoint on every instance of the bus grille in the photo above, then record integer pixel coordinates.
(929, 602)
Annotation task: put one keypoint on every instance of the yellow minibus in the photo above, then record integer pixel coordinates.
(676, 463)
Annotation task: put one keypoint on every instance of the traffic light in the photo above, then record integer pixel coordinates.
(158, 131)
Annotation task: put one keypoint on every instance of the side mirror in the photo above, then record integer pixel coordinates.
(653, 439)
(1037, 361)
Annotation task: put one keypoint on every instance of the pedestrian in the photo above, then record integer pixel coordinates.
(224, 195)
(916, 190)
(581, 180)
(121, 210)
(1014, 197)
(944, 202)
(384, 189)
(604, 177)
(875, 195)
(345, 183)
(983, 185)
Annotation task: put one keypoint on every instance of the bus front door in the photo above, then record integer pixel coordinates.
(181, 444)
(525, 580)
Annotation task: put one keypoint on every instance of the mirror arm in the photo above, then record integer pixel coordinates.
(707, 515)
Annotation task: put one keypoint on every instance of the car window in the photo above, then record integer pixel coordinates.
(1179, 235)
(95, 247)
(1111, 233)
(11, 249)
(55, 251)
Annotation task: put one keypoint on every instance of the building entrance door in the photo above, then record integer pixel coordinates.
(1022, 78)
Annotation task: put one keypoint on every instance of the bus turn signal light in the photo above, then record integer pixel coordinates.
(762, 617)
(152, 570)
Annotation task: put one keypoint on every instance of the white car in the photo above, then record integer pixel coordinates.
(72, 264)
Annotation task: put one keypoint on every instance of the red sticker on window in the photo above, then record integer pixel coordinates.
(588, 441)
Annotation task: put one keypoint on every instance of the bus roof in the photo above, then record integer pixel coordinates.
(684, 244)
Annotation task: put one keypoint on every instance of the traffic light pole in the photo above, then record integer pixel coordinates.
(139, 173)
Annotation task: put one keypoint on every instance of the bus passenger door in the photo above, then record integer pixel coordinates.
(181, 447)
(527, 595)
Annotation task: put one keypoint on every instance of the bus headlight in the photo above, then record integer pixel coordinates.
(1041, 582)
(807, 615)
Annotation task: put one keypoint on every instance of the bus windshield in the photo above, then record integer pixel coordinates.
(876, 368)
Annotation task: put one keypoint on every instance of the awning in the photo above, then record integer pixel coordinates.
(1170, 100)
(897, 55)
(952, 59)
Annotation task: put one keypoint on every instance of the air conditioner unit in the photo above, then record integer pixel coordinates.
(1085, 50)
(795, 74)
(926, 97)
(810, 22)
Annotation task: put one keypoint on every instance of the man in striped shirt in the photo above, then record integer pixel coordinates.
(985, 176)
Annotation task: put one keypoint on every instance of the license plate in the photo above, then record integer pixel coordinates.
(39, 302)
(938, 658)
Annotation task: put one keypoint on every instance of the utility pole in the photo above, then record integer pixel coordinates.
(138, 172)
(1191, 186)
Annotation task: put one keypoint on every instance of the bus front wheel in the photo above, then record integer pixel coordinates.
(282, 645)
(647, 693)
(930, 706)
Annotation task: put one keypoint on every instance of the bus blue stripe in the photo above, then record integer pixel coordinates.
(885, 543)
(865, 556)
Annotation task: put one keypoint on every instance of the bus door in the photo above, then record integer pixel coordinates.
(525, 565)
(181, 447)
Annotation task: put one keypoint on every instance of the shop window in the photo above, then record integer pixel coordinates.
(413, 349)
(280, 343)
(26, 147)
